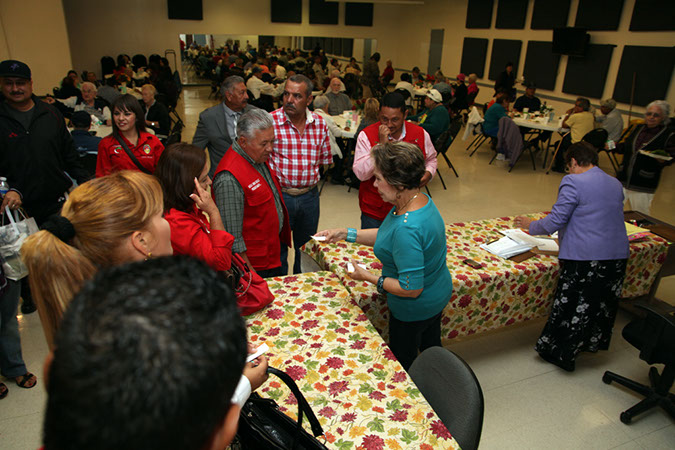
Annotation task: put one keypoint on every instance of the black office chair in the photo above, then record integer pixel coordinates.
(654, 336)
(139, 60)
(598, 138)
(444, 141)
(453, 391)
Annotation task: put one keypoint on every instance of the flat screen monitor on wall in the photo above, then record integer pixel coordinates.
(185, 9)
(570, 41)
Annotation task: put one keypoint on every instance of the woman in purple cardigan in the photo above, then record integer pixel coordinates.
(588, 216)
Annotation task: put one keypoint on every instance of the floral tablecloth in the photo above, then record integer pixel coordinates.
(503, 292)
(356, 387)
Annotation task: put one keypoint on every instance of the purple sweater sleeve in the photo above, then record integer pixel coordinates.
(561, 211)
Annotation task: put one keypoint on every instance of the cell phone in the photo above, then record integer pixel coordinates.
(472, 263)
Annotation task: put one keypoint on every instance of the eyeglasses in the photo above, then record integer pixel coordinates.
(651, 114)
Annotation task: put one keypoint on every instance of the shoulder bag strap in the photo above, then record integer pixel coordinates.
(131, 155)
(302, 402)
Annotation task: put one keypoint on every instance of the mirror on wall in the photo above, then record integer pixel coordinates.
(343, 49)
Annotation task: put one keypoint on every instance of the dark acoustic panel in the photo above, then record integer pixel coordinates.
(185, 9)
(328, 46)
(287, 11)
(599, 14)
(503, 51)
(652, 15)
(587, 76)
(359, 14)
(479, 14)
(511, 14)
(541, 64)
(474, 52)
(653, 69)
(265, 40)
(323, 12)
(347, 47)
(548, 14)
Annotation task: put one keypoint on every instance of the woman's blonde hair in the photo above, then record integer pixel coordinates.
(103, 212)
(371, 109)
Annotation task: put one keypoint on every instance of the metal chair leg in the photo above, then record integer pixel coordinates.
(450, 164)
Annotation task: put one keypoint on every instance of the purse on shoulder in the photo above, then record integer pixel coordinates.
(263, 425)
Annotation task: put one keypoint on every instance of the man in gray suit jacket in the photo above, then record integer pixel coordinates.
(218, 124)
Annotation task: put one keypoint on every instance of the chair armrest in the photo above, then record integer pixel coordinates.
(657, 308)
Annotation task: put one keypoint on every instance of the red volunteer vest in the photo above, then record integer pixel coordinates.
(370, 202)
(261, 223)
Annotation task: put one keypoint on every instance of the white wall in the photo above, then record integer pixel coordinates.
(34, 32)
(402, 32)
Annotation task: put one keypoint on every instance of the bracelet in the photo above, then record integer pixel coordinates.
(380, 285)
(351, 235)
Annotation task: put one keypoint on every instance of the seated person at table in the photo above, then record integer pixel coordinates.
(321, 103)
(528, 100)
(68, 89)
(353, 67)
(138, 332)
(183, 172)
(156, 114)
(506, 80)
(392, 127)
(494, 113)
(91, 77)
(442, 86)
(87, 102)
(472, 89)
(411, 244)
(85, 144)
(406, 83)
(639, 173)
(258, 87)
(459, 101)
(387, 73)
(588, 216)
(610, 119)
(248, 195)
(339, 101)
(128, 131)
(579, 121)
(371, 111)
(434, 118)
(417, 78)
(109, 91)
(278, 70)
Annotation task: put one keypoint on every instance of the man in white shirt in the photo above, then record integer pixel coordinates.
(257, 86)
(610, 119)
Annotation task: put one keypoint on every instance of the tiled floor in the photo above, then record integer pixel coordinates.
(528, 403)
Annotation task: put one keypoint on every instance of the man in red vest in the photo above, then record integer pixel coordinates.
(249, 198)
(391, 127)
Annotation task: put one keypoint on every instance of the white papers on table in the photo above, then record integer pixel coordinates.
(506, 247)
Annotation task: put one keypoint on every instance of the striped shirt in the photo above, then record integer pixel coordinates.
(296, 158)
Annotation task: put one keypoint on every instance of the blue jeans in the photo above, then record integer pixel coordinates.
(11, 360)
(303, 214)
(369, 222)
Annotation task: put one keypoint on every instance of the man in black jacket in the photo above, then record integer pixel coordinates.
(36, 148)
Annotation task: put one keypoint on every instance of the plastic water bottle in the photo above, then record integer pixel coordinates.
(4, 187)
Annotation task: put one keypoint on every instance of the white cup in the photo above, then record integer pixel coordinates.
(526, 110)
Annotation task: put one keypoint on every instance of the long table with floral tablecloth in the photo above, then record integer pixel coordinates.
(359, 392)
(501, 293)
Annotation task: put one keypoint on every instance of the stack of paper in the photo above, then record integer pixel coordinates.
(542, 243)
(634, 232)
(506, 247)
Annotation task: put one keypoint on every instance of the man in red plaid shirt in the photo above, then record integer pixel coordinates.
(302, 145)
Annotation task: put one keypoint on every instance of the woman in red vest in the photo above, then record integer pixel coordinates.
(183, 173)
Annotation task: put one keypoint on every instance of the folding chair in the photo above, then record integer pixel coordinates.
(555, 153)
(444, 141)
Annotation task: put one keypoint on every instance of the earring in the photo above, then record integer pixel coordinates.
(148, 256)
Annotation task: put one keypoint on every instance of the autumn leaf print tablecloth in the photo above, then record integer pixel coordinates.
(503, 292)
(359, 392)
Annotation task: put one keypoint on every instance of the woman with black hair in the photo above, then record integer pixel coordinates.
(129, 147)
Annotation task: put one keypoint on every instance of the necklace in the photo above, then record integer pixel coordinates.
(406, 204)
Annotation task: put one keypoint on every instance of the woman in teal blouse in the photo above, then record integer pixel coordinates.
(411, 245)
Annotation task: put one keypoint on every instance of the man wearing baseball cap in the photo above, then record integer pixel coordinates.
(434, 118)
(36, 150)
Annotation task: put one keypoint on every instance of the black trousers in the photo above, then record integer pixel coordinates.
(406, 339)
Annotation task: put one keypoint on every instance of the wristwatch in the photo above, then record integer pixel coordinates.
(380, 285)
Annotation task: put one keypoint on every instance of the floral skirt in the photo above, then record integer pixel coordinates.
(584, 309)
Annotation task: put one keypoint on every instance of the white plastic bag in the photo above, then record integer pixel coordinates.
(12, 237)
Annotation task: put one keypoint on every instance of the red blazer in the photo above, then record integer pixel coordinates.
(261, 223)
(370, 202)
(191, 235)
(113, 158)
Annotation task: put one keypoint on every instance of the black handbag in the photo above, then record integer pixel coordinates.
(263, 426)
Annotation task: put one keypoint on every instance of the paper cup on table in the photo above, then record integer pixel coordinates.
(526, 110)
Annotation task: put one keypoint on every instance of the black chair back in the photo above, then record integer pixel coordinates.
(453, 391)
(597, 138)
(107, 65)
(139, 61)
